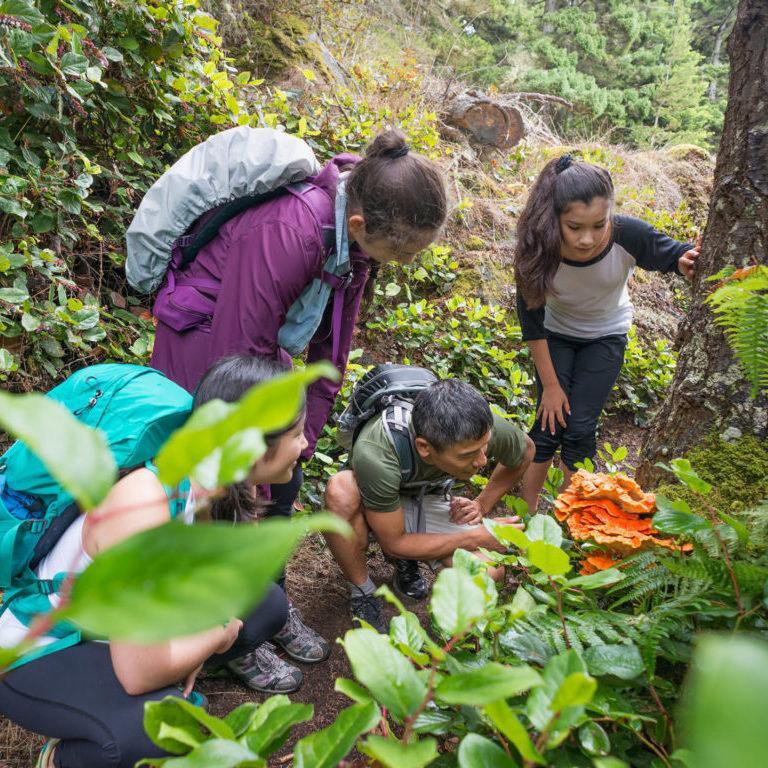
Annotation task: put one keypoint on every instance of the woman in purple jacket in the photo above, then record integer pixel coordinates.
(261, 262)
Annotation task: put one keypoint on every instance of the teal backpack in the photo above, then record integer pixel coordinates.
(137, 409)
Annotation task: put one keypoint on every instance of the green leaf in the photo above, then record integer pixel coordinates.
(548, 558)
(609, 762)
(391, 753)
(77, 456)
(217, 753)
(7, 362)
(597, 580)
(328, 747)
(140, 590)
(594, 740)
(539, 704)
(725, 707)
(489, 683)
(171, 727)
(268, 407)
(507, 534)
(352, 690)
(73, 64)
(13, 295)
(686, 474)
(544, 528)
(457, 602)
(478, 752)
(384, 671)
(241, 718)
(576, 690)
(522, 602)
(621, 660)
(274, 731)
(136, 157)
(675, 517)
(504, 720)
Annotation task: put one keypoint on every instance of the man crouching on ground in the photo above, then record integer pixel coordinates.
(454, 434)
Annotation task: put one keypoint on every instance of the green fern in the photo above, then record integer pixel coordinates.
(741, 309)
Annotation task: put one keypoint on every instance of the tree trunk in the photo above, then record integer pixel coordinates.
(550, 6)
(709, 393)
(715, 61)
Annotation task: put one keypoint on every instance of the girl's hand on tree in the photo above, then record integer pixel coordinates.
(687, 262)
(553, 408)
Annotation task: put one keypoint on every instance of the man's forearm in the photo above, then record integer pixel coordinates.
(501, 481)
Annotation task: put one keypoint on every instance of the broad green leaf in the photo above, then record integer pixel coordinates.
(621, 660)
(522, 602)
(544, 528)
(741, 530)
(328, 747)
(548, 558)
(352, 690)
(576, 690)
(142, 589)
(391, 753)
(609, 762)
(274, 731)
(14, 295)
(77, 456)
(597, 580)
(675, 517)
(505, 721)
(241, 718)
(7, 362)
(457, 602)
(478, 752)
(539, 705)
(686, 474)
(594, 740)
(725, 708)
(507, 534)
(171, 727)
(268, 407)
(217, 753)
(489, 683)
(384, 671)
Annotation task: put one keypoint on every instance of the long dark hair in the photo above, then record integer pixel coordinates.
(537, 255)
(398, 192)
(228, 380)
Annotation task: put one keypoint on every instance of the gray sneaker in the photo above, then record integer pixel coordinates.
(301, 642)
(263, 670)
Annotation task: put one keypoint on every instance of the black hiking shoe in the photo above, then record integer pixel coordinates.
(408, 581)
(369, 608)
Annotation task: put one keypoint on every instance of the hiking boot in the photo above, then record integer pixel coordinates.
(369, 608)
(301, 642)
(408, 581)
(263, 670)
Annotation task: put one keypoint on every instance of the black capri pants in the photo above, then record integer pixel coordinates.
(74, 695)
(587, 369)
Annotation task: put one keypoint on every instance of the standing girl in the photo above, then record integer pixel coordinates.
(90, 697)
(388, 206)
(573, 259)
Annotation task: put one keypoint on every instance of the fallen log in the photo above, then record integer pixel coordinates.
(487, 121)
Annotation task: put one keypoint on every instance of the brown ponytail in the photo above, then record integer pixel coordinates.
(399, 193)
(537, 254)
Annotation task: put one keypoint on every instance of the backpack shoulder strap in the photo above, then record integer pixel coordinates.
(396, 418)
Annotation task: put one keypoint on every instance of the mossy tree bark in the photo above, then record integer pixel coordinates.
(709, 393)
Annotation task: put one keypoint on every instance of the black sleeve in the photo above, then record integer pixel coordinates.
(650, 249)
(531, 320)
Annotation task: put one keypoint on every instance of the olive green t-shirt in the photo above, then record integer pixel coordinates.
(377, 469)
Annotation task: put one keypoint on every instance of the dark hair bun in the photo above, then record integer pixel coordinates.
(390, 143)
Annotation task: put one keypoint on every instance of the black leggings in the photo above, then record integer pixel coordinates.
(283, 496)
(587, 370)
(74, 695)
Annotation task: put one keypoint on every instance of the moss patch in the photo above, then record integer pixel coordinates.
(738, 471)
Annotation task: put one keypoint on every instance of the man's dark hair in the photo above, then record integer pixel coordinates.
(449, 412)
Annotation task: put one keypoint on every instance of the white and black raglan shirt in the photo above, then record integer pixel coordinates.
(590, 299)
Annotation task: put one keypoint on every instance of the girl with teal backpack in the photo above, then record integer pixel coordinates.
(88, 696)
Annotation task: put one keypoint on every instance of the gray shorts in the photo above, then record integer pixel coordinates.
(436, 517)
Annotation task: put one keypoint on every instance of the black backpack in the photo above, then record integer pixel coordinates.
(387, 389)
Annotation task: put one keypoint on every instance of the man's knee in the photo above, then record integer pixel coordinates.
(342, 496)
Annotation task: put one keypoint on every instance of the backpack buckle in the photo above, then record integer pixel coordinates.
(46, 587)
(38, 526)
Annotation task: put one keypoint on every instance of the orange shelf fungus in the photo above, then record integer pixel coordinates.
(611, 511)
